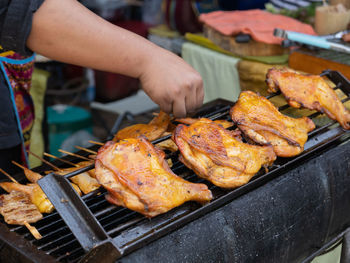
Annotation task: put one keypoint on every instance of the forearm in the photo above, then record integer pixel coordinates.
(66, 31)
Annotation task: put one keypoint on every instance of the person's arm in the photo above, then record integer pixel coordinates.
(66, 31)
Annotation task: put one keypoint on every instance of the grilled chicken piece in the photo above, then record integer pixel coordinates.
(260, 120)
(308, 91)
(152, 131)
(223, 123)
(167, 144)
(170, 144)
(216, 155)
(17, 209)
(136, 176)
(34, 192)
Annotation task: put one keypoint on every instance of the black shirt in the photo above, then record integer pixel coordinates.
(9, 135)
(16, 22)
(15, 25)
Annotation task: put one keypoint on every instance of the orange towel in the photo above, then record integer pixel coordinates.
(258, 23)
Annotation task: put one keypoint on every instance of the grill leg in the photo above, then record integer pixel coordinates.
(345, 251)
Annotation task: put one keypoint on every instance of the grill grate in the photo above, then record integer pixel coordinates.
(129, 230)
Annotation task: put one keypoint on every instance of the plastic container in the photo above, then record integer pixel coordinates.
(63, 122)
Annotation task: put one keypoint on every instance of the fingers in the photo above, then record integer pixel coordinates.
(191, 101)
(188, 97)
(179, 108)
(199, 94)
(195, 95)
(166, 106)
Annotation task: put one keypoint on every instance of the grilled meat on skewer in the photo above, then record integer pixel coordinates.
(34, 192)
(216, 155)
(308, 91)
(260, 120)
(85, 181)
(33, 177)
(136, 176)
(17, 209)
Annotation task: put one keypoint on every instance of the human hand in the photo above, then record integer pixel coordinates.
(171, 83)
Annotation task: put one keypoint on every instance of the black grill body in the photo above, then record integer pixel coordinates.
(285, 220)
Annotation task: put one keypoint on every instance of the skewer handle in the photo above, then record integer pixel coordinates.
(44, 161)
(9, 176)
(62, 160)
(86, 150)
(74, 154)
(33, 230)
(94, 142)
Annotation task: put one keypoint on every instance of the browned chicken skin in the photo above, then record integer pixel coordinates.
(158, 127)
(136, 176)
(223, 123)
(260, 120)
(308, 91)
(152, 131)
(216, 155)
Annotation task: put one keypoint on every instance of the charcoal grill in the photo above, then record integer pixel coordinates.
(292, 213)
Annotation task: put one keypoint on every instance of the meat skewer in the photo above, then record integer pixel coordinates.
(86, 180)
(17, 209)
(34, 192)
(81, 183)
(33, 177)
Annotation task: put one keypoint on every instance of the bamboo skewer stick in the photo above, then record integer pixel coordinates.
(19, 165)
(62, 160)
(31, 229)
(73, 154)
(86, 150)
(44, 161)
(98, 143)
(9, 176)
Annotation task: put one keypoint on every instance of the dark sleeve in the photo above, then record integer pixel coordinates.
(16, 22)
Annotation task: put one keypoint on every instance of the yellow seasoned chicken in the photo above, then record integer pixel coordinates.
(216, 155)
(34, 192)
(261, 121)
(33, 177)
(136, 176)
(152, 131)
(308, 91)
(85, 181)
